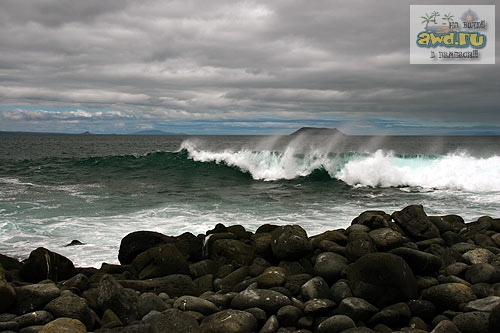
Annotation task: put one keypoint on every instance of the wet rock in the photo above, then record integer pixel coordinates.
(386, 238)
(485, 273)
(478, 256)
(271, 277)
(138, 242)
(340, 290)
(494, 320)
(192, 303)
(330, 266)
(64, 325)
(421, 263)
(484, 304)
(35, 296)
(422, 308)
(334, 236)
(43, 264)
(79, 282)
(160, 261)
(449, 295)
(148, 302)
(359, 244)
(446, 326)
(228, 282)
(289, 315)
(382, 279)
(71, 306)
(415, 223)
(268, 300)
(232, 251)
(174, 321)
(116, 298)
(318, 305)
(174, 285)
(271, 325)
(374, 219)
(204, 267)
(290, 243)
(230, 321)
(472, 322)
(334, 324)
(356, 308)
(315, 288)
(40, 317)
(7, 292)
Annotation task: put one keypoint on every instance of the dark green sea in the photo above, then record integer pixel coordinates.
(98, 188)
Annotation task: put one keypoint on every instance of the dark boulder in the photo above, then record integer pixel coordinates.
(268, 300)
(315, 288)
(229, 321)
(174, 321)
(138, 242)
(290, 243)
(374, 219)
(472, 322)
(116, 298)
(356, 308)
(232, 251)
(330, 266)
(449, 295)
(482, 273)
(7, 292)
(335, 324)
(421, 263)
(34, 296)
(387, 238)
(71, 306)
(359, 244)
(382, 279)
(160, 261)
(416, 223)
(43, 264)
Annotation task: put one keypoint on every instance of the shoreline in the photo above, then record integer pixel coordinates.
(402, 271)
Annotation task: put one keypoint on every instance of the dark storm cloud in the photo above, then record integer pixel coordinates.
(131, 64)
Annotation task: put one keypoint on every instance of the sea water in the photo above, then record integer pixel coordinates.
(98, 188)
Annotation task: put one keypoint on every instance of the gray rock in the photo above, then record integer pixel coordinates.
(330, 266)
(386, 238)
(268, 300)
(259, 314)
(356, 308)
(449, 295)
(340, 290)
(382, 279)
(271, 277)
(416, 223)
(318, 305)
(315, 288)
(271, 325)
(421, 263)
(446, 326)
(478, 256)
(192, 303)
(34, 296)
(148, 302)
(64, 325)
(160, 261)
(295, 282)
(334, 236)
(40, 317)
(289, 315)
(290, 243)
(116, 298)
(472, 322)
(482, 273)
(71, 306)
(43, 264)
(457, 269)
(334, 324)
(229, 321)
(79, 282)
(174, 321)
(328, 246)
(483, 304)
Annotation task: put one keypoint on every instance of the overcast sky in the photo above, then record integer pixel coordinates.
(232, 67)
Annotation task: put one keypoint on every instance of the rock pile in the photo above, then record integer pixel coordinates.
(404, 272)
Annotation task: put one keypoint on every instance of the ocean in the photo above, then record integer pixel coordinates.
(55, 188)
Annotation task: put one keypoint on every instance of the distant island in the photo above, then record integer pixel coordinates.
(318, 131)
(154, 132)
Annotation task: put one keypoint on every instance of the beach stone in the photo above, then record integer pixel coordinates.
(395, 315)
(356, 308)
(230, 321)
(421, 263)
(259, 314)
(79, 281)
(160, 261)
(295, 282)
(359, 244)
(483, 304)
(63, 325)
(318, 305)
(446, 326)
(482, 273)
(34, 296)
(478, 256)
(315, 288)
(192, 303)
(43, 264)
(340, 290)
(268, 300)
(472, 322)
(110, 320)
(335, 324)
(139, 241)
(174, 321)
(494, 320)
(7, 292)
(422, 308)
(174, 285)
(374, 219)
(70, 305)
(334, 236)
(328, 246)
(118, 299)
(330, 266)
(271, 277)
(148, 302)
(415, 223)
(262, 243)
(271, 325)
(449, 295)
(203, 267)
(386, 238)
(258, 266)
(456, 269)
(451, 238)
(40, 317)
(290, 242)
(228, 282)
(289, 315)
(382, 279)
(232, 251)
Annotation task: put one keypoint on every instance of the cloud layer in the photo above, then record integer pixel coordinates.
(230, 67)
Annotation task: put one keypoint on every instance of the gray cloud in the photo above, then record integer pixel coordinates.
(135, 63)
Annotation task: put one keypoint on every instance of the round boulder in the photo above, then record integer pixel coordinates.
(160, 261)
(290, 243)
(43, 264)
(449, 296)
(229, 321)
(138, 242)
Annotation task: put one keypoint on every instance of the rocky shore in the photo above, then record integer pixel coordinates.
(406, 272)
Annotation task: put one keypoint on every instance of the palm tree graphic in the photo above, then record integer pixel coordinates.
(448, 17)
(427, 20)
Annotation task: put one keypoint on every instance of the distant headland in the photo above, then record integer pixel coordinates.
(317, 131)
